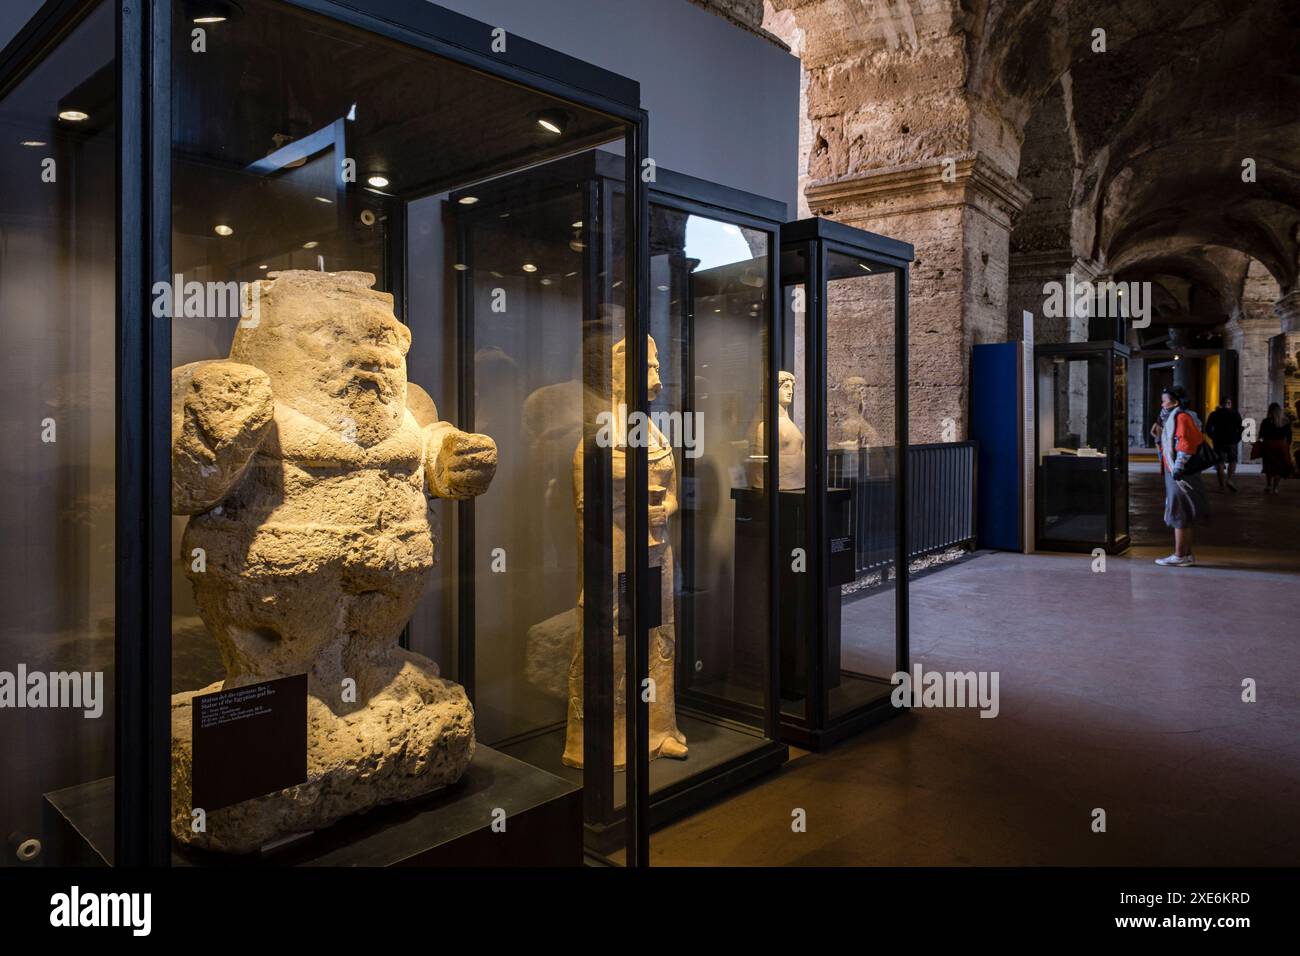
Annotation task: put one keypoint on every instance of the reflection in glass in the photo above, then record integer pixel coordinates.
(861, 478)
(58, 311)
(1074, 439)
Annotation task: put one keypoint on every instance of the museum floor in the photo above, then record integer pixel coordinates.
(1119, 690)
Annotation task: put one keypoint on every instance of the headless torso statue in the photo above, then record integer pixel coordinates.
(665, 739)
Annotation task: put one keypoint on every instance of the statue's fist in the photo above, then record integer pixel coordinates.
(221, 411)
(463, 465)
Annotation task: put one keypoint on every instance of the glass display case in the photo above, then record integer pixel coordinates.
(541, 269)
(842, 443)
(232, 292)
(1081, 446)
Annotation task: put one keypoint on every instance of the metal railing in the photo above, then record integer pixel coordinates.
(941, 500)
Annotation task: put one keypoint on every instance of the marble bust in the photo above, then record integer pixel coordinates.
(790, 465)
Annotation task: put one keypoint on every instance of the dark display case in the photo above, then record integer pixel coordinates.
(228, 268)
(1081, 446)
(842, 448)
(540, 259)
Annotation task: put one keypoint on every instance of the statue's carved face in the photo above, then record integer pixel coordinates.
(333, 349)
(785, 388)
(654, 385)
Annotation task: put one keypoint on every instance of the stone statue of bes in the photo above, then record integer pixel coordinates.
(306, 462)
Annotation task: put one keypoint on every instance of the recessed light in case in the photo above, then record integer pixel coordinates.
(553, 121)
(32, 142)
(223, 230)
(324, 200)
(529, 267)
(467, 200)
(261, 267)
(209, 12)
(460, 267)
(379, 182)
(576, 225)
(310, 245)
(73, 116)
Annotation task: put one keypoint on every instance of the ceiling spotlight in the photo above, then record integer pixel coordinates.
(460, 267)
(223, 230)
(553, 121)
(206, 12)
(32, 142)
(467, 200)
(546, 282)
(261, 267)
(662, 288)
(324, 200)
(864, 266)
(570, 275)
(73, 116)
(310, 245)
(529, 267)
(577, 246)
(379, 182)
(576, 225)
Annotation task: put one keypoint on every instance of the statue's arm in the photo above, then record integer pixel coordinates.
(457, 464)
(221, 412)
(670, 497)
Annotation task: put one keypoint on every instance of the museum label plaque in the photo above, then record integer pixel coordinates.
(249, 741)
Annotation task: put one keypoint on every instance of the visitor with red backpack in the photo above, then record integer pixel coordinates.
(1184, 454)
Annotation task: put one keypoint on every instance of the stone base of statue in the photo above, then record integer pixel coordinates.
(414, 734)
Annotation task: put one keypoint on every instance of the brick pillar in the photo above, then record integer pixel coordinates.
(1030, 272)
(1284, 355)
(958, 214)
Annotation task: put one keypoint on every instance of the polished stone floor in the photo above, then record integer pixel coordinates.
(1119, 690)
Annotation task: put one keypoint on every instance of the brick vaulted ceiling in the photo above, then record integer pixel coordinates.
(1145, 143)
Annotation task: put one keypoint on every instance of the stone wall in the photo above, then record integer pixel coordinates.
(743, 13)
(1248, 333)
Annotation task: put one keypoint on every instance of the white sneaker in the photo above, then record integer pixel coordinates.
(1174, 561)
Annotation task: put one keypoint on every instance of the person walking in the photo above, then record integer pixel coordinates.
(1275, 436)
(1179, 435)
(1224, 428)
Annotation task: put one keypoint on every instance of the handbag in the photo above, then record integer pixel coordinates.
(1256, 450)
(1201, 459)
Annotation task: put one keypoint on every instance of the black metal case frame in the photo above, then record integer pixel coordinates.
(143, 203)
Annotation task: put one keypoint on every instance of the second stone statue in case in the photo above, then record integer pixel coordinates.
(666, 740)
